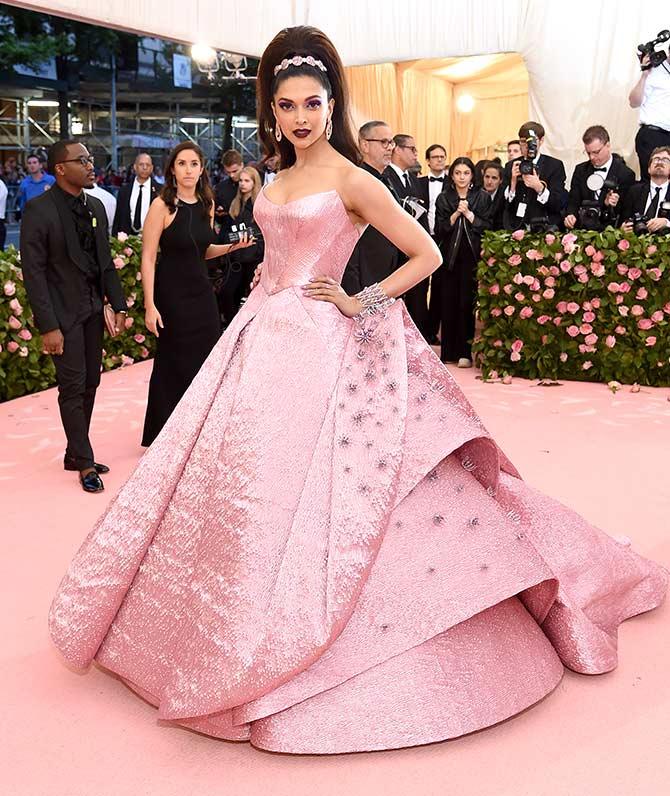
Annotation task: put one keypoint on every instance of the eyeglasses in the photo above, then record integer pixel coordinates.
(437, 157)
(411, 148)
(662, 161)
(595, 152)
(83, 160)
(387, 143)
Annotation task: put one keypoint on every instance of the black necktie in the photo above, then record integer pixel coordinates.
(436, 179)
(405, 180)
(137, 217)
(653, 207)
(600, 168)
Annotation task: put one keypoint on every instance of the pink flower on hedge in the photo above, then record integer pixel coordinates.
(496, 312)
(595, 303)
(586, 306)
(587, 365)
(139, 338)
(535, 285)
(533, 254)
(0, 348)
(619, 299)
(508, 289)
(582, 348)
(589, 251)
(122, 236)
(563, 356)
(634, 273)
(543, 319)
(526, 312)
(129, 322)
(623, 310)
(566, 266)
(573, 330)
(585, 328)
(580, 269)
(554, 270)
(625, 287)
(549, 238)
(491, 261)
(494, 289)
(598, 257)
(119, 262)
(620, 330)
(544, 339)
(650, 341)
(569, 248)
(138, 276)
(518, 278)
(657, 316)
(514, 356)
(23, 351)
(548, 294)
(562, 306)
(15, 307)
(515, 259)
(610, 341)
(641, 294)
(509, 310)
(493, 374)
(623, 245)
(536, 297)
(652, 249)
(517, 345)
(519, 297)
(24, 334)
(144, 352)
(9, 288)
(654, 273)
(125, 360)
(613, 287)
(518, 234)
(550, 282)
(497, 343)
(542, 270)
(584, 278)
(598, 269)
(130, 301)
(591, 339)
(568, 238)
(637, 310)
(128, 251)
(622, 268)
(12, 346)
(529, 279)
(644, 324)
(572, 307)
(14, 323)
(558, 321)
(589, 317)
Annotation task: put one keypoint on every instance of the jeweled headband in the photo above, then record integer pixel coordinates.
(299, 60)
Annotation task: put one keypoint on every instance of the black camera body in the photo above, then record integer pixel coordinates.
(656, 57)
(235, 234)
(527, 164)
(595, 214)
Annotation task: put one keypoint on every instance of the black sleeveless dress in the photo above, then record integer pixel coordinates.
(185, 299)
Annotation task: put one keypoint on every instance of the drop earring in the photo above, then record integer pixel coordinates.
(278, 135)
(329, 128)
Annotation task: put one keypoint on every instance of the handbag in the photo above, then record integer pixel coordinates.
(110, 319)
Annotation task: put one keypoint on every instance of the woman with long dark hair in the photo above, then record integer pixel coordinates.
(324, 551)
(180, 305)
(462, 213)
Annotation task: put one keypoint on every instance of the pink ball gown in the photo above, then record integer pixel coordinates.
(324, 550)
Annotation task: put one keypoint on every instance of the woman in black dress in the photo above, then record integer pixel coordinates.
(462, 213)
(180, 306)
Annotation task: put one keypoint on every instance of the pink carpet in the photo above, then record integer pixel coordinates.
(71, 735)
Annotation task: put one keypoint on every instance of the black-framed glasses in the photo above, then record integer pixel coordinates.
(412, 149)
(83, 160)
(659, 159)
(387, 143)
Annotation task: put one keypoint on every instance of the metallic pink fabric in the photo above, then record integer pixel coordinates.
(324, 551)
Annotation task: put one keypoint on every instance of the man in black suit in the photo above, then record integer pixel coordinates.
(135, 197)
(404, 184)
(226, 190)
(68, 272)
(610, 167)
(374, 256)
(492, 179)
(536, 195)
(651, 198)
(430, 187)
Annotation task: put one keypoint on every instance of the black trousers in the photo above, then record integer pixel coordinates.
(234, 287)
(78, 377)
(3, 234)
(646, 140)
(458, 307)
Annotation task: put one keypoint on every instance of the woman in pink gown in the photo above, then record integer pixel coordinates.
(324, 550)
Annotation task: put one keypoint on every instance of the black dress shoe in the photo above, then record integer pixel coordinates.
(91, 482)
(99, 468)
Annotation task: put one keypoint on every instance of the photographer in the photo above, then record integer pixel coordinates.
(599, 185)
(534, 183)
(651, 95)
(647, 206)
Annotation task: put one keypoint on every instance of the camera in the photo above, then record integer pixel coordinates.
(595, 214)
(235, 234)
(656, 57)
(527, 165)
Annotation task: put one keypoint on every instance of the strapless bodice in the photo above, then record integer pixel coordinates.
(311, 236)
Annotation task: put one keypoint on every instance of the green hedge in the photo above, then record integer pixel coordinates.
(589, 306)
(23, 367)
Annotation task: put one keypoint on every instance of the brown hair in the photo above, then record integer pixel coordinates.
(236, 204)
(203, 189)
(657, 151)
(231, 157)
(596, 131)
(303, 40)
(536, 127)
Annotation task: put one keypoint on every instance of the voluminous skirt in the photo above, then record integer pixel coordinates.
(324, 551)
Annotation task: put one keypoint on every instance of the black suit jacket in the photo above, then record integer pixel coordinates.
(374, 257)
(552, 172)
(636, 201)
(449, 236)
(122, 217)
(579, 191)
(397, 188)
(424, 193)
(497, 207)
(54, 265)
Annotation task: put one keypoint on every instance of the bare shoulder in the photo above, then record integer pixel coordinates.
(358, 187)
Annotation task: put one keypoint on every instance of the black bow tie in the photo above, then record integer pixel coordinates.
(436, 179)
(601, 168)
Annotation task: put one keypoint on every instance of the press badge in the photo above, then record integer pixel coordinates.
(94, 221)
(521, 210)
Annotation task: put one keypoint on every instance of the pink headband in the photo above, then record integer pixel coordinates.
(299, 60)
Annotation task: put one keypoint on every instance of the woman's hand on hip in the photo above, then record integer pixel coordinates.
(323, 288)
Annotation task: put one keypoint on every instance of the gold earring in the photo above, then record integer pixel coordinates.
(329, 128)
(278, 135)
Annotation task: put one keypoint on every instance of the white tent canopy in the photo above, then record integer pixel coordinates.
(580, 56)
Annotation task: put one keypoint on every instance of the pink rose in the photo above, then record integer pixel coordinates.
(15, 307)
(650, 341)
(517, 345)
(595, 303)
(494, 289)
(493, 375)
(652, 249)
(549, 238)
(585, 328)
(623, 310)
(566, 265)
(9, 288)
(637, 310)
(534, 254)
(582, 348)
(12, 346)
(518, 278)
(610, 341)
(515, 259)
(138, 276)
(128, 251)
(543, 319)
(119, 262)
(573, 307)
(634, 273)
(544, 339)
(497, 343)
(644, 324)
(580, 269)
(529, 279)
(641, 294)
(569, 248)
(589, 251)
(598, 257)
(623, 245)
(14, 323)
(584, 278)
(518, 234)
(598, 269)
(23, 351)
(587, 365)
(550, 282)
(24, 334)
(144, 352)
(569, 237)
(666, 308)
(536, 296)
(0, 348)
(591, 339)
(125, 360)
(622, 268)
(625, 287)
(548, 293)
(526, 312)
(514, 356)
(654, 273)
(620, 330)
(619, 299)
(613, 287)
(586, 306)
(573, 330)
(657, 316)
(563, 356)
(496, 312)
(509, 310)
(129, 322)
(535, 285)
(558, 321)
(121, 236)
(508, 289)
(491, 261)
(589, 317)
(139, 338)
(562, 306)
(542, 270)
(519, 297)
(554, 270)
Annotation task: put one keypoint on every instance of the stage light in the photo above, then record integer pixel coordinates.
(42, 104)
(205, 57)
(465, 103)
(194, 120)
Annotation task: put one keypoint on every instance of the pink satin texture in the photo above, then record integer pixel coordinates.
(325, 551)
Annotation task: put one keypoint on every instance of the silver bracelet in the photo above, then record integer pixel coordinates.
(374, 300)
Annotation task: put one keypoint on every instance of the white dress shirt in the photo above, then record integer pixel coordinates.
(655, 107)
(107, 200)
(3, 200)
(146, 199)
(434, 190)
(606, 166)
(542, 198)
(402, 174)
